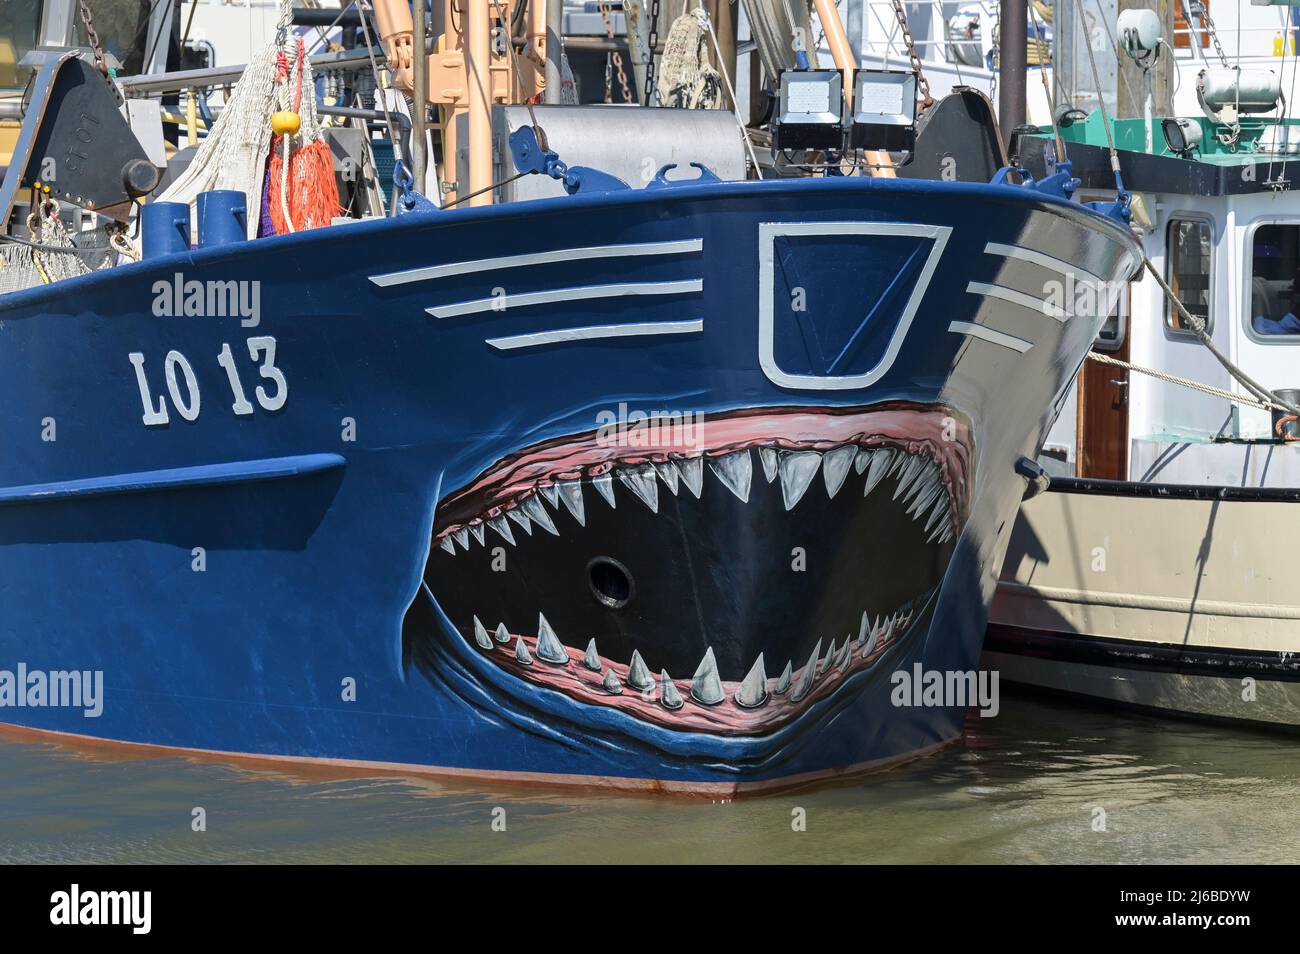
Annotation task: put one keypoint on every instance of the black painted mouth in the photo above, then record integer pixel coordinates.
(748, 578)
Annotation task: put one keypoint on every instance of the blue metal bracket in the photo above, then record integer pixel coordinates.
(1063, 184)
(661, 180)
(531, 157)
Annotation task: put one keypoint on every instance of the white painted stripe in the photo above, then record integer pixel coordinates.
(769, 232)
(582, 293)
(988, 334)
(1017, 298)
(538, 258)
(1062, 268)
(565, 335)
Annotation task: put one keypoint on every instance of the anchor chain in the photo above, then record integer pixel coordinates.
(92, 37)
(1199, 9)
(615, 57)
(922, 84)
(650, 63)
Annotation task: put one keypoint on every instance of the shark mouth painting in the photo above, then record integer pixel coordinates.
(718, 575)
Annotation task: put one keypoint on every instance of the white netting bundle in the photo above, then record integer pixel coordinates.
(686, 78)
(25, 266)
(233, 156)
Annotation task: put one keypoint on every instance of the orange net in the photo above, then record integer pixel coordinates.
(313, 195)
(309, 194)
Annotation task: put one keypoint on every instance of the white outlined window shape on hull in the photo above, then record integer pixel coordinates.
(769, 232)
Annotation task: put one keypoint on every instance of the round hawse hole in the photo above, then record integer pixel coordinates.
(610, 582)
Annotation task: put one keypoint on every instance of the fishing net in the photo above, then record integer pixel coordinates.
(300, 192)
(686, 78)
(233, 156)
(26, 266)
(291, 180)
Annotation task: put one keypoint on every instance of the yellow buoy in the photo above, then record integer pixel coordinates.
(285, 122)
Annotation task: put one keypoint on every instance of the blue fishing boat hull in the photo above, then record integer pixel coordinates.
(652, 419)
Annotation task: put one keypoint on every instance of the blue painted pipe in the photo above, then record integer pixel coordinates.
(223, 217)
(165, 228)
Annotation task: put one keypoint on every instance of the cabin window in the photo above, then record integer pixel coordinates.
(123, 27)
(1112, 334)
(1189, 256)
(19, 22)
(1274, 270)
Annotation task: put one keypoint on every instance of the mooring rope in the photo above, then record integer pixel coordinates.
(1186, 382)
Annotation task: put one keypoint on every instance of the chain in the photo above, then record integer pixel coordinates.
(650, 92)
(92, 37)
(922, 84)
(1199, 9)
(616, 57)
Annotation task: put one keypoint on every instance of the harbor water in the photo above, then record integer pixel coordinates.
(1043, 782)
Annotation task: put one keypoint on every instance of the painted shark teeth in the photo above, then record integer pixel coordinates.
(605, 484)
(549, 647)
(521, 652)
(638, 676)
(521, 518)
(911, 473)
(872, 639)
(827, 668)
(882, 459)
(835, 467)
(641, 481)
(825, 664)
(500, 526)
(571, 495)
(806, 675)
(692, 471)
(753, 688)
(736, 471)
(669, 697)
(920, 488)
(533, 507)
(669, 474)
(783, 684)
(937, 513)
(706, 687)
(798, 468)
(481, 636)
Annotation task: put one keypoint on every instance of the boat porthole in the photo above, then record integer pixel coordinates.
(610, 582)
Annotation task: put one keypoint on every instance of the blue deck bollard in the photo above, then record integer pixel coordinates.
(164, 228)
(223, 217)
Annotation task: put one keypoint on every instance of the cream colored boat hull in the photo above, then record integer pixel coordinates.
(1183, 601)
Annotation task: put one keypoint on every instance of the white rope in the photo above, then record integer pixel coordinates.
(233, 155)
(1186, 383)
(686, 78)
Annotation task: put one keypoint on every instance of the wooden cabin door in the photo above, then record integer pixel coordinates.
(1102, 423)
